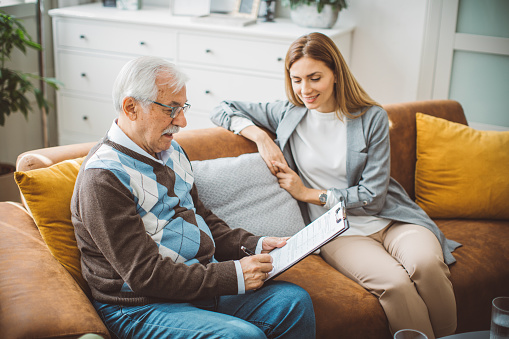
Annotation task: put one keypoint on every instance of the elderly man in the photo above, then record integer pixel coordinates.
(158, 263)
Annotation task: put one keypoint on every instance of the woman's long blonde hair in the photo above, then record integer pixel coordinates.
(349, 95)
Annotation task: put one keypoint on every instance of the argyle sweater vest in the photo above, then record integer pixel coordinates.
(143, 233)
(162, 197)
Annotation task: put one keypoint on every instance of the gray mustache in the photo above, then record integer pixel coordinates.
(172, 130)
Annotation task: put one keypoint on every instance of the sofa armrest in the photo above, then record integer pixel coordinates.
(45, 157)
(39, 298)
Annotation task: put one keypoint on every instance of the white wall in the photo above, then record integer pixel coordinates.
(387, 46)
(386, 59)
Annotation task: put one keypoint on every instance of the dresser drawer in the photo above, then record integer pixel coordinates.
(88, 72)
(83, 119)
(115, 37)
(230, 52)
(206, 89)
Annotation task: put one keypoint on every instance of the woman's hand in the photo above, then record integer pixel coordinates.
(271, 153)
(266, 146)
(290, 181)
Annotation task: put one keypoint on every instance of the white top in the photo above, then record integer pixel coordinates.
(320, 157)
(321, 161)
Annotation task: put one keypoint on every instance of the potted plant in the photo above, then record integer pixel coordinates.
(16, 89)
(16, 85)
(315, 13)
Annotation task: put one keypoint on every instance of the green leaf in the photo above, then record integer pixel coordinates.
(15, 86)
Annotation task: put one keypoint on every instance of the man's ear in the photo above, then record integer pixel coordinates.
(129, 106)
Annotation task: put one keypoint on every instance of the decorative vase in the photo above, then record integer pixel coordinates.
(307, 16)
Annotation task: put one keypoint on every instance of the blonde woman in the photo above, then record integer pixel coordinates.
(332, 142)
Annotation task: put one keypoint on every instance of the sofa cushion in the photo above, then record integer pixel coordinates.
(482, 266)
(47, 192)
(461, 172)
(242, 191)
(38, 297)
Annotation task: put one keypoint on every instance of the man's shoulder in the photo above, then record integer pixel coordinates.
(104, 157)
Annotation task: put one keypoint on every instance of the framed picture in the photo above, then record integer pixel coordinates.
(190, 7)
(246, 8)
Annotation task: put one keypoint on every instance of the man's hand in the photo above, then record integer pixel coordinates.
(256, 269)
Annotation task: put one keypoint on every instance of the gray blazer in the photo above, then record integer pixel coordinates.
(371, 190)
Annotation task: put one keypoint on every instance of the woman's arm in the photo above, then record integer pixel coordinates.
(267, 115)
(268, 150)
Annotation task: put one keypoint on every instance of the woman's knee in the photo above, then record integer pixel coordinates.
(428, 267)
(397, 285)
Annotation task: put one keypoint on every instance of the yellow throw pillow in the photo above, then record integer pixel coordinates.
(461, 172)
(48, 193)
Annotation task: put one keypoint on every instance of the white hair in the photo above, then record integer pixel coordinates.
(137, 79)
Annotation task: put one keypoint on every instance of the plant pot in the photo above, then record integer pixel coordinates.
(307, 16)
(8, 189)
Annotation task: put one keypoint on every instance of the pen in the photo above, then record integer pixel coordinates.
(247, 251)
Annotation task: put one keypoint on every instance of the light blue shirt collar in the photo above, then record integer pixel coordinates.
(118, 136)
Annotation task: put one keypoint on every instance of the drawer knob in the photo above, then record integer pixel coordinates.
(142, 43)
(82, 36)
(279, 59)
(207, 92)
(85, 118)
(83, 75)
(208, 51)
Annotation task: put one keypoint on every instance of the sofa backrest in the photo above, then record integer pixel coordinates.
(403, 134)
(216, 142)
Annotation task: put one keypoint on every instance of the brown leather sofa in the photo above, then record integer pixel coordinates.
(39, 299)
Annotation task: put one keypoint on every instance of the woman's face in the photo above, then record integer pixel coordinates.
(313, 82)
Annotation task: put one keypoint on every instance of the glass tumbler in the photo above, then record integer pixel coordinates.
(409, 334)
(500, 318)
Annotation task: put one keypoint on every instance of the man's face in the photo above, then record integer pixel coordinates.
(154, 129)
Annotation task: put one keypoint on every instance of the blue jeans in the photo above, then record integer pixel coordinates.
(278, 310)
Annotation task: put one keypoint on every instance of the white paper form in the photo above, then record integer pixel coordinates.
(309, 239)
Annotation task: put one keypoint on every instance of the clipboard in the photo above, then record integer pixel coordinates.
(324, 229)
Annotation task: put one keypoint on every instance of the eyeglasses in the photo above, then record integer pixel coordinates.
(175, 110)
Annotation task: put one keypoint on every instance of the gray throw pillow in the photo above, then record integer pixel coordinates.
(244, 193)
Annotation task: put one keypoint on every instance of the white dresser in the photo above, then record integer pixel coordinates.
(93, 42)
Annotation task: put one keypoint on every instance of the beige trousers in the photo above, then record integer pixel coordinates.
(404, 267)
